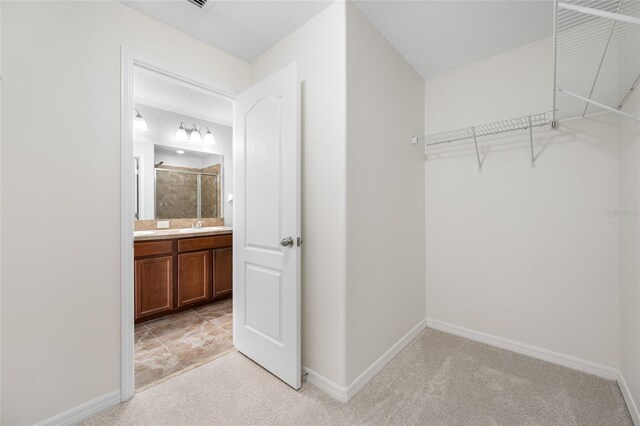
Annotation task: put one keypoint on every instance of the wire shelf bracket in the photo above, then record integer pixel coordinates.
(596, 58)
(527, 122)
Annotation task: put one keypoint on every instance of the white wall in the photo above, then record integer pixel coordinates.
(630, 251)
(385, 196)
(162, 130)
(60, 203)
(526, 254)
(343, 292)
(319, 47)
(515, 83)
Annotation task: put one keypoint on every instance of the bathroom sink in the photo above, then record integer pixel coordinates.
(140, 233)
(206, 229)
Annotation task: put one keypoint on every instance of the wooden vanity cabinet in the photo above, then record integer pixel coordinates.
(153, 286)
(194, 277)
(181, 273)
(223, 272)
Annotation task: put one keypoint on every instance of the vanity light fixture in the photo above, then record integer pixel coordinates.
(139, 125)
(208, 138)
(181, 134)
(195, 135)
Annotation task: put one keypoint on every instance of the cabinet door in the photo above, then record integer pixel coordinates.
(194, 277)
(223, 275)
(154, 285)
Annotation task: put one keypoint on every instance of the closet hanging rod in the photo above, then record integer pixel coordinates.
(488, 129)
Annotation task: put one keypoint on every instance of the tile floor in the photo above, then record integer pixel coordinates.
(172, 345)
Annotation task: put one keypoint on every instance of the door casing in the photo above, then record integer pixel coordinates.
(130, 59)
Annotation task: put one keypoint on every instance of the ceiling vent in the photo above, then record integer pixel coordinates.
(200, 3)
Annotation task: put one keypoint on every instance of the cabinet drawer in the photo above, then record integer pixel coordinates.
(204, 243)
(152, 248)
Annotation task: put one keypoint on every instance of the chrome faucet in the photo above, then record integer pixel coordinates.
(197, 225)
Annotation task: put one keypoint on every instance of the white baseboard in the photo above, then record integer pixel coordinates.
(600, 370)
(379, 364)
(631, 404)
(84, 411)
(344, 394)
(333, 390)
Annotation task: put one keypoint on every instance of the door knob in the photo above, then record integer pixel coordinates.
(286, 242)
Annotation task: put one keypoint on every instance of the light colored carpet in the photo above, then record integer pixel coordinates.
(438, 379)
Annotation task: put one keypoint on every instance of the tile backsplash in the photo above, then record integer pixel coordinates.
(148, 225)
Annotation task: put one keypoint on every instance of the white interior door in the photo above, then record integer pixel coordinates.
(266, 243)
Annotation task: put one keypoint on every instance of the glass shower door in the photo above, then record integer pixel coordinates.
(210, 204)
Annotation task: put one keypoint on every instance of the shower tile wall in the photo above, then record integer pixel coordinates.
(183, 202)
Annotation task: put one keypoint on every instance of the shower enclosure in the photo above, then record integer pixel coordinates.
(182, 193)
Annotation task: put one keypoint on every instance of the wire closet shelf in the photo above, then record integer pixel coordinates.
(484, 130)
(489, 129)
(596, 56)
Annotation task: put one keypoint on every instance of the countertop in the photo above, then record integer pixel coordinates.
(167, 234)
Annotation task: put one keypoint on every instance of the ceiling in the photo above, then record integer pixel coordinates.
(242, 28)
(433, 36)
(188, 153)
(439, 36)
(161, 92)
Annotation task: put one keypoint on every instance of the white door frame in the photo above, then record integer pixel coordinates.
(129, 60)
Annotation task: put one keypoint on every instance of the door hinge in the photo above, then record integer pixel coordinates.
(299, 241)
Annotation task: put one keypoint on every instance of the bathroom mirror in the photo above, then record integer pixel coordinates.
(177, 183)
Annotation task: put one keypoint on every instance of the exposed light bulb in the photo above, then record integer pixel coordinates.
(195, 136)
(208, 138)
(139, 125)
(181, 134)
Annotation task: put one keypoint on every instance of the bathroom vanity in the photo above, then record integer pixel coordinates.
(180, 269)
